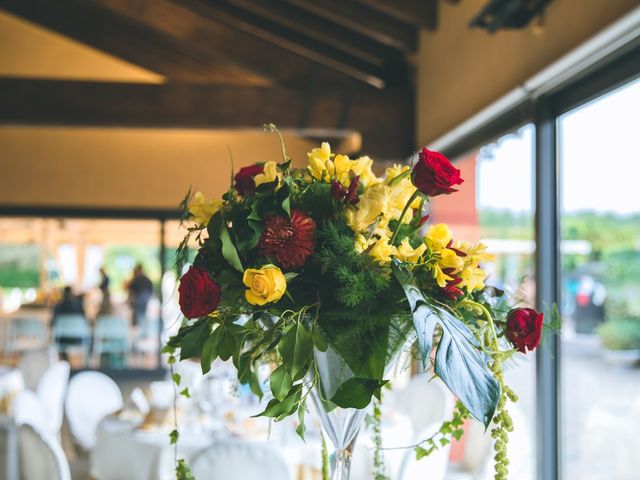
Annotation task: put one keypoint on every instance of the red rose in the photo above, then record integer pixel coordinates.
(244, 179)
(199, 293)
(434, 174)
(524, 327)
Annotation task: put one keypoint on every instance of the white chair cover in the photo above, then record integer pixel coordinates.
(111, 335)
(432, 467)
(41, 457)
(51, 391)
(34, 363)
(27, 408)
(91, 397)
(425, 401)
(235, 459)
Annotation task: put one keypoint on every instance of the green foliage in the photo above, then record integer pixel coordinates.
(621, 334)
(448, 430)
(355, 280)
(459, 361)
(183, 472)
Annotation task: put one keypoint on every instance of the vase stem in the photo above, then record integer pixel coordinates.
(341, 462)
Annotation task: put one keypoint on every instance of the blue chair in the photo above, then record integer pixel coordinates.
(71, 331)
(26, 334)
(111, 340)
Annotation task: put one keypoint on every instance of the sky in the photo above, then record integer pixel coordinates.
(599, 148)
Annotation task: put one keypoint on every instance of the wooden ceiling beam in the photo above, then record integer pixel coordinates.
(420, 13)
(89, 23)
(328, 56)
(293, 18)
(385, 119)
(364, 20)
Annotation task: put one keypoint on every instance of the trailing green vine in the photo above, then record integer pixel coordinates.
(378, 458)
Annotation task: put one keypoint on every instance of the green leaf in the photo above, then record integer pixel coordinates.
(296, 348)
(173, 436)
(191, 338)
(459, 361)
(420, 452)
(302, 410)
(185, 393)
(318, 339)
(290, 276)
(229, 251)
(356, 392)
(457, 434)
(176, 378)
(210, 350)
(280, 383)
(281, 409)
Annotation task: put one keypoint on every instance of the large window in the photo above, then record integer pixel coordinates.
(600, 200)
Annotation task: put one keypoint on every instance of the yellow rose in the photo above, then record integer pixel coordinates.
(472, 278)
(362, 168)
(438, 237)
(373, 203)
(269, 175)
(265, 285)
(202, 210)
(400, 194)
(407, 253)
(321, 166)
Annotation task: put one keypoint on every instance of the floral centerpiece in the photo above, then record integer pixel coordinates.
(326, 272)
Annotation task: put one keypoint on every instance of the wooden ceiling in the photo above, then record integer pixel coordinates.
(341, 65)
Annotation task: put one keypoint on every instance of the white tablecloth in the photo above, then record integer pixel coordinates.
(124, 452)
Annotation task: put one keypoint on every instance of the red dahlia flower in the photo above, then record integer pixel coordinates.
(289, 241)
(434, 174)
(244, 179)
(524, 327)
(199, 293)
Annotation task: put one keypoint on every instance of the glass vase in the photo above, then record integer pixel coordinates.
(340, 426)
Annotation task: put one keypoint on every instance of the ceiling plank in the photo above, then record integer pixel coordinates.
(90, 24)
(364, 20)
(265, 29)
(420, 13)
(385, 119)
(291, 17)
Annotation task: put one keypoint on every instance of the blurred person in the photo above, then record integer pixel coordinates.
(140, 290)
(104, 282)
(105, 308)
(69, 303)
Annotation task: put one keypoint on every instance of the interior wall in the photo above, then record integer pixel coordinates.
(462, 70)
(31, 51)
(124, 167)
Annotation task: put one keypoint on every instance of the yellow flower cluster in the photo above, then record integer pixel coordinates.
(202, 210)
(461, 259)
(325, 166)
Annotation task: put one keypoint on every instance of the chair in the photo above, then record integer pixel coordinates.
(41, 457)
(51, 390)
(91, 397)
(427, 403)
(237, 459)
(28, 409)
(111, 338)
(72, 331)
(424, 401)
(34, 363)
(26, 334)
